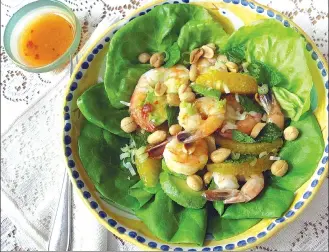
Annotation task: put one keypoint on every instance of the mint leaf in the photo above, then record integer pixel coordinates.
(269, 133)
(172, 115)
(242, 137)
(265, 74)
(249, 105)
(243, 158)
(205, 91)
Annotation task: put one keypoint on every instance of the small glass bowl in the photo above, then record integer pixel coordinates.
(23, 16)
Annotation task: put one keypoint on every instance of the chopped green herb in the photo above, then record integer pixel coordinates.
(249, 105)
(265, 74)
(242, 158)
(269, 133)
(205, 91)
(242, 137)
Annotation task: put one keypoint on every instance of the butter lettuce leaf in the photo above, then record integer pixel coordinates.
(225, 228)
(282, 53)
(157, 31)
(173, 223)
(302, 154)
(272, 202)
(97, 109)
(99, 151)
(139, 192)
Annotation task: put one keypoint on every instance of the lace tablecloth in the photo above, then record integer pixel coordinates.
(30, 144)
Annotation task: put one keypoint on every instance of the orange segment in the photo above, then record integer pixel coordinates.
(235, 82)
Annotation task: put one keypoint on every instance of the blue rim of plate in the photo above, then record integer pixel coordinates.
(314, 184)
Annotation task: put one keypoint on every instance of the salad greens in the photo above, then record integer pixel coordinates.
(302, 163)
(171, 210)
(155, 32)
(99, 151)
(173, 223)
(96, 108)
(173, 55)
(242, 137)
(282, 53)
(205, 91)
(268, 134)
(224, 228)
(249, 105)
(272, 202)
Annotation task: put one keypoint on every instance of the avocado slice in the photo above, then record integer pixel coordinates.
(177, 189)
(166, 169)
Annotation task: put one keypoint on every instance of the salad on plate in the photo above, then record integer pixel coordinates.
(198, 131)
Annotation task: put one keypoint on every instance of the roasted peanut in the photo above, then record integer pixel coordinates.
(211, 143)
(157, 60)
(207, 177)
(257, 129)
(279, 168)
(208, 52)
(160, 89)
(187, 97)
(175, 129)
(193, 72)
(128, 124)
(195, 55)
(183, 89)
(232, 67)
(220, 155)
(157, 137)
(194, 182)
(290, 133)
(144, 58)
(173, 99)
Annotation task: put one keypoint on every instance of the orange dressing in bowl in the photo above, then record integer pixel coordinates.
(45, 39)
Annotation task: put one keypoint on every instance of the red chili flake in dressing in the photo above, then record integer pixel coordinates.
(37, 56)
(30, 44)
(146, 109)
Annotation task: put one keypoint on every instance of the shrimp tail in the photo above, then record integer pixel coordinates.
(224, 194)
(187, 137)
(266, 102)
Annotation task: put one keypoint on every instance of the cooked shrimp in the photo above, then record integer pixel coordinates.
(250, 190)
(273, 109)
(235, 116)
(142, 109)
(248, 123)
(179, 161)
(200, 119)
(204, 65)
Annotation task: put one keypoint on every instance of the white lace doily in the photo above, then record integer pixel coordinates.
(31, 163)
